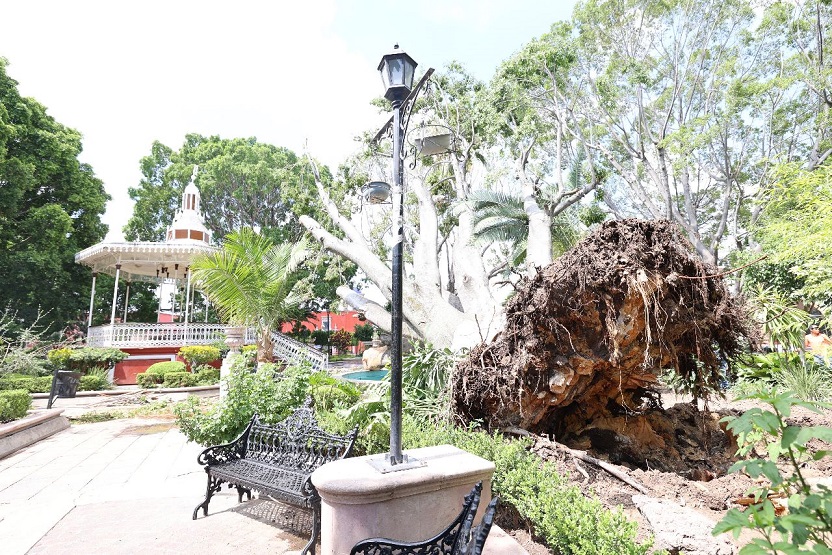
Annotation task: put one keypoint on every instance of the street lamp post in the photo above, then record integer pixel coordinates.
(397, 71)
(397, 74)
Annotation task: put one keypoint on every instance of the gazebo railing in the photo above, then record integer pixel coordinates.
(141, 336)
(155, 335)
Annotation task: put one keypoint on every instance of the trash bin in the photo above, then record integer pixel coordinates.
(64, 385)
(67, 383)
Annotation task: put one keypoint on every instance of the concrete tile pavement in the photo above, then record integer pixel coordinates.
(123, 487)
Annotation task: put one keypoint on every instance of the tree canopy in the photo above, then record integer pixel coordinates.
(243, 183)
(50, 208)
(796, 228)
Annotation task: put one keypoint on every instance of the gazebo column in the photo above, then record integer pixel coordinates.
(115, 295)
(187, 301)
(92, 301)
(126, 302)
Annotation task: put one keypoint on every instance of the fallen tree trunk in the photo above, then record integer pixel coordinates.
(587, 336)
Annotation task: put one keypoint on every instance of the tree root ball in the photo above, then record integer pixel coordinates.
(586, 337)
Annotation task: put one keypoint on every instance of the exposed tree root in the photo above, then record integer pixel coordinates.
(587, 336)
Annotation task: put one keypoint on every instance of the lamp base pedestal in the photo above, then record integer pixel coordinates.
(359, 501)
(383, 464)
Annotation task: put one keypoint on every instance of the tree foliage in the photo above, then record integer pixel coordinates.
(50, 208)
(243, 183)
(680, 107)
(796, 226)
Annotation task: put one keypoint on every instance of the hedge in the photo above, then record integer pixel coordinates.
(86, 359)
(93, 382)
(32, 384)
(179, 379)
(162, 368)
(195, 355)
(13, 404)
(42, 384)
(149, 379)
(207, 375)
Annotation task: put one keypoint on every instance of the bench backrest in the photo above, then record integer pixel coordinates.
(297, 443)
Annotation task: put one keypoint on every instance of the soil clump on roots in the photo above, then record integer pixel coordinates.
(586, 339)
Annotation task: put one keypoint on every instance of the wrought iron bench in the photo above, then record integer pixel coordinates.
(276, 460)
(459, 538)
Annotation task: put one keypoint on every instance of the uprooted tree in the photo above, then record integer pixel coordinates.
(586, 338)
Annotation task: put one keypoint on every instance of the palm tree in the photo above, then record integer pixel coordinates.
(251, 280)
(501, 217)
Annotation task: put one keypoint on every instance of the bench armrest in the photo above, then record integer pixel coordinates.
(217, 454)
(446, 541)
(231, 451)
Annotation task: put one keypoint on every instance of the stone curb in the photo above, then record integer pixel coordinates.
(30, 429)
(106, 392)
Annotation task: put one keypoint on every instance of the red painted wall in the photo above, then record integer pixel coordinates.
(340, 321)
(126, 370)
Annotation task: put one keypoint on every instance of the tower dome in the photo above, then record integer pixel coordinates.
(188, 224)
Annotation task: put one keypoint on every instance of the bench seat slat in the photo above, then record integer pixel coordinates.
(280, 483)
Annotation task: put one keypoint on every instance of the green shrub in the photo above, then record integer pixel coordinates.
(807, 525)
(162, 368)
(808, 381)
(364, 332)
(86, 359)
(60, 357)
(13, 404)
(23, 347)
(266, 392)
(149, 380)
(558, 512)
(207, 375)
(321, 337)
(179, 379)
(341, 339)
(32, 384)
(330, 393)
(195, 355)
(93, 382)
(567, 521)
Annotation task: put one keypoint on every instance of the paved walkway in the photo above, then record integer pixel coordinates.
(123, 487)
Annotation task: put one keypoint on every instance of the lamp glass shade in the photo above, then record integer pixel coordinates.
(397, 70)
(376, 192)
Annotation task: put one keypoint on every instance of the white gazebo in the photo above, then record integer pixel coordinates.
(164, 262)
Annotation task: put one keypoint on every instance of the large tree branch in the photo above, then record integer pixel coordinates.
(376, 270)
(374, 312)
(332, 210)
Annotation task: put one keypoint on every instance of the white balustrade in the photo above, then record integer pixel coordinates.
(140, 336)
(155, 335)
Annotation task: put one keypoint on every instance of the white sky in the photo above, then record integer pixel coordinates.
(125, 73)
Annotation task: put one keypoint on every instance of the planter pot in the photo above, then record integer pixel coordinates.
(235, 337)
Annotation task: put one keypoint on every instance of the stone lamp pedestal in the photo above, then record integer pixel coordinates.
(235, 337)
(359, 502)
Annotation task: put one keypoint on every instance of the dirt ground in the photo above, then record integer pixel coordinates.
(707, 489)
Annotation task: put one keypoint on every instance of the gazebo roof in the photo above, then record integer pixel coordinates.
(151, 261)
(143, 260)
